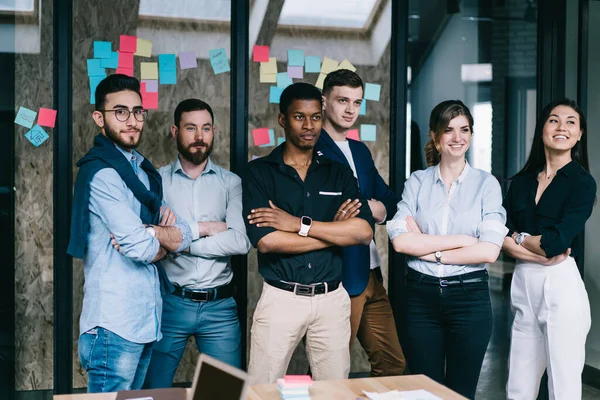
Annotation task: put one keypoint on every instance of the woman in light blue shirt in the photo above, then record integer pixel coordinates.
(450, 224)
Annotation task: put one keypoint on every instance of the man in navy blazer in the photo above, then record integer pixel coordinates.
(371, 316)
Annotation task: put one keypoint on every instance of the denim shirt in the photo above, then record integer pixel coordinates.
(122, 289)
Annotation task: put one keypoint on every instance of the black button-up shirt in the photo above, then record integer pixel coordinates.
(326, 186)
(561, 212)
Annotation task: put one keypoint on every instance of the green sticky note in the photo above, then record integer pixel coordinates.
(295, 58)
(368, 133)
(312, 64)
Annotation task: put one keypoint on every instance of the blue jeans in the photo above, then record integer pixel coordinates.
(215, 326)
(113, 363)
(448, 329)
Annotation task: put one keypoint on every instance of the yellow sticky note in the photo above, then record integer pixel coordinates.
(268, 78)
(144, 48)
(346, 65)
(328, 65)
(320, 81)
(149, 70)
(269, 67)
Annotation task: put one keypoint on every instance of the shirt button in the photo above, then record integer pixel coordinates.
(309, 266)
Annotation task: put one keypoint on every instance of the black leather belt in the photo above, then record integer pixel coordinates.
(306, 290)
(471, 277)
(199, 295)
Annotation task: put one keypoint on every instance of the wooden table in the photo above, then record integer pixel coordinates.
(345, 389)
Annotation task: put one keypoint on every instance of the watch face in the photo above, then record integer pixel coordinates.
(306, 221)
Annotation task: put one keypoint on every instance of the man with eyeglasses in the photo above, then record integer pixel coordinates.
(118, 195)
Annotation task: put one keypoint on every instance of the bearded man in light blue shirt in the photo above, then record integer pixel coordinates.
(210, 199)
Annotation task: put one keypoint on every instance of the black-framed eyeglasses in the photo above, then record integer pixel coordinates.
(122, 114)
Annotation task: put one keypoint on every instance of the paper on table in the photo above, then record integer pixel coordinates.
(402, 395)
(47, 117)
(328, 65)
(261, 53)
(283, 80)
(295, 72)
(112, 61)
(127, 44)
(312, 64)
(296, 58)
(102, 49)
(372, 91)
(218, 60)
(269, 67)
(187, 60)
(320, 81)
(25, 117)
(346, 65)
(149, 70)
(143, 48)
(268, 78)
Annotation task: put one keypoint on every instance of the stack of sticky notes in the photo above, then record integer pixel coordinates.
(294, 387)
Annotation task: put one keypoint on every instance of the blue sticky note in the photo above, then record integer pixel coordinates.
(283, 80)
(372, 91)
(94, 81)
(271, 139)
(26, 117)
(296, 58)
(218, 60)
(280, 140)
(95, 68)
(363, 107)
(36, 135)
(167, 77)
(167, 62)
(275, 94)
(102, 49)
(111, 62)
(312, 64)
(368, 133)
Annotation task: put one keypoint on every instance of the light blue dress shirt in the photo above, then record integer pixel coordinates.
(216, 195)
(122, 290)
(472, 206)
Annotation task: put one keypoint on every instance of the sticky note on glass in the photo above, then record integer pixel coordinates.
(125, 60)
(346, 65)
(260, 54)
(47, 117)
(36, 135)
(94, 81)
(312, 64)
(328, 65)
(368, 133)
(320, 81)
(143, 48)
(271, 139)
(260, 136)
(218, 60)
(26, 117)
(269, 67)
(280, 140)
(372, 91)
(363, 108)
(353, 134)
(150, 100)
(111, 62)
(283, 80)
(125, 71)
(127, 44)
(296, 58)
(167, 62)
(168, 77)
(268, 78)
(295, 72)
(151, 85)
(187, 60)
(102, 49)
(94, 68)
(149, 70)
(275, 94)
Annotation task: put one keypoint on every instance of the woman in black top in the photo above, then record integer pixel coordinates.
(547, 206)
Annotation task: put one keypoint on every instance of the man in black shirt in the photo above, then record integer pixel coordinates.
(300, 208)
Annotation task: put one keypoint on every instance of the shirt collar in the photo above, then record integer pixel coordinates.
(276, 156)
(461, 177)
(134, 155)
(176, 167)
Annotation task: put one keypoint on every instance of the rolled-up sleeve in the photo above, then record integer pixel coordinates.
(406, 207)
(492, 228)
(188, 233)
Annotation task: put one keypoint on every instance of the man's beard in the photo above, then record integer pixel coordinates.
(114, 136)
(199, 156)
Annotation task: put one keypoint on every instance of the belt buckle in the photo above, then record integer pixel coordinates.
(443, 283)
(205, 294)
(304, 290)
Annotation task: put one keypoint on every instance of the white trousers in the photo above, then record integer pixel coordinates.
(552, 320)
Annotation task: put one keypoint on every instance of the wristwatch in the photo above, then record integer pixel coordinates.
(438, 257)
(151, 231)
(520, 237)
(305, 224)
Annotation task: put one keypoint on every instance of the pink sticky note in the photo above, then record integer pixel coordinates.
(128, 44)
(353, 134)
(150, 100)
(125, 71)
(47, 117)
(125, 60)
(261, 136)
(295, 72)
(261, 53)
(297, 378)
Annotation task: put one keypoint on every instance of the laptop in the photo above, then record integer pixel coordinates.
(213, 379)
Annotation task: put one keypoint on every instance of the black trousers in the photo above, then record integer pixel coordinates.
(448, 328)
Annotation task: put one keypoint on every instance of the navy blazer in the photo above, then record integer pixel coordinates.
(356, 259)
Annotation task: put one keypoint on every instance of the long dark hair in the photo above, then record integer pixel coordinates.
(537, 156)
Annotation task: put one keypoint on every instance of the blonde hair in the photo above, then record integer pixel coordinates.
(439, 120)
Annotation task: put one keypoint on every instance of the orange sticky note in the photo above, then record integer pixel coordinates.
(125, 60)
(47, 117)
(261, 136)
(261, 53)
(353, 134)
(128, 44)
